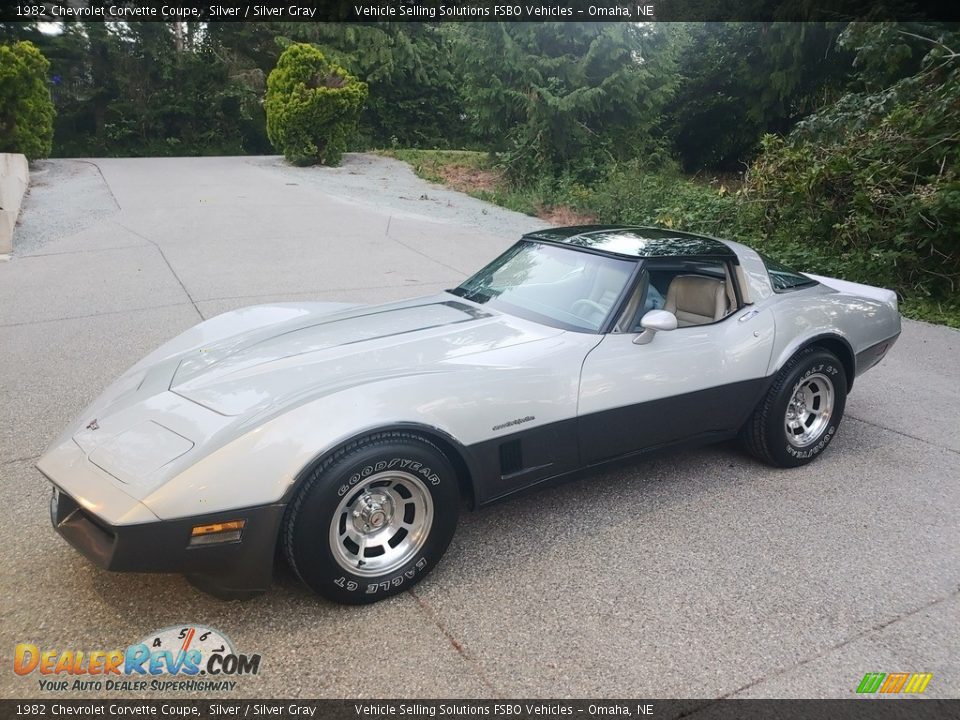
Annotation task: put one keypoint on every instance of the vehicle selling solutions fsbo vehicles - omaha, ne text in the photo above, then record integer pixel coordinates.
(351, 435)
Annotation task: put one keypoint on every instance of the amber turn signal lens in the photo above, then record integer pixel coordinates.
(217, 527)
(217, 532)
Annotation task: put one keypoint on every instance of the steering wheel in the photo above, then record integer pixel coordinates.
(589, 304)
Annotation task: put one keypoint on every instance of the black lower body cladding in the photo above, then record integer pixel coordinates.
(229, 570)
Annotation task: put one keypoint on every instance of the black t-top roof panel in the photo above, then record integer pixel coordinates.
(635, 242)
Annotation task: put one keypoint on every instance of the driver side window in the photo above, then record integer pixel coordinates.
(696, 291)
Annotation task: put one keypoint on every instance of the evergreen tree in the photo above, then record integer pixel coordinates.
(566, 98)
(741, 80)
(312, 106)
(415, 98)
(26, 110)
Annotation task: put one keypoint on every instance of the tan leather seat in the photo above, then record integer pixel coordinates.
(696, 300)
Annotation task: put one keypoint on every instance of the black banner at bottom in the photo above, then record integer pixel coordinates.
(866, 708)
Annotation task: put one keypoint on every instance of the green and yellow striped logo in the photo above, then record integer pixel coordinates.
(892, 683)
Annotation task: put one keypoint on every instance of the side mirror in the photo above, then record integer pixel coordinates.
(652, 322)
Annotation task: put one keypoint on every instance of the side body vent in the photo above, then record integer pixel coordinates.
(511, 458)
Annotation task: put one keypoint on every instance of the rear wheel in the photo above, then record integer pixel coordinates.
(800, 414)
(373, 519)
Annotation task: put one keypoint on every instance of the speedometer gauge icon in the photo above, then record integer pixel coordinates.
(186, 637)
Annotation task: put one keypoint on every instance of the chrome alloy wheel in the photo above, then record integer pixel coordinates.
(809, 410)
(382, 523)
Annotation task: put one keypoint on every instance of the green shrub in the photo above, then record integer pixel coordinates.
(565, 98)
(312, 106)
(634, 194)
(26, 110)
(869, 188)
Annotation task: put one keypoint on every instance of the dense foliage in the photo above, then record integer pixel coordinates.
(873, 180)
(741, 80)
(865, 186)
(832, 145)
(26, 110)
(312, 106)
(140, 89)
(415, 95)
(565, 97)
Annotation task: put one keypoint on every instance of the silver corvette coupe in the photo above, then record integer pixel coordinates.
(348, 437)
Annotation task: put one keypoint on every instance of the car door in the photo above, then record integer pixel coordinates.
(693, 382)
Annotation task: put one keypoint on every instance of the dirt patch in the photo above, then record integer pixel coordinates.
(561, 215)
(464, 178)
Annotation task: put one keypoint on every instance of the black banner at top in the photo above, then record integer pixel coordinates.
(475, 10)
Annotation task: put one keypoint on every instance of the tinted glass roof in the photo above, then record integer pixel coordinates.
(638, 242)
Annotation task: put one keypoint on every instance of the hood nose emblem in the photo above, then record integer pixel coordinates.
(93, 425)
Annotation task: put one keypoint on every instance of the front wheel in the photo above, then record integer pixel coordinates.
(373, 519)
(800, 414)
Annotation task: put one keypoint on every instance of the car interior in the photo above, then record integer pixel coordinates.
(601, 291)
(697, 292)
(576, 288)
(564, 286)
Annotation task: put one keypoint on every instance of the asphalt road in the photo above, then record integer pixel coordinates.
(701, 574)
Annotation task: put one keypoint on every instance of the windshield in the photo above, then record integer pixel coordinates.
(557, 286)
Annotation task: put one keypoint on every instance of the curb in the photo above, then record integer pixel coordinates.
(14, 178)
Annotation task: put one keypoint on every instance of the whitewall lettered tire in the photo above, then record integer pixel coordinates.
(800, 414)
(372, 519)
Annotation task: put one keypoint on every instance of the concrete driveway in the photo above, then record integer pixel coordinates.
(701, 574)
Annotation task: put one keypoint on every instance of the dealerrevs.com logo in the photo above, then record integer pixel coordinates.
(177, 658)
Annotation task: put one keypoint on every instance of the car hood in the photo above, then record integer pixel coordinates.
(303, 359)
(224, 380)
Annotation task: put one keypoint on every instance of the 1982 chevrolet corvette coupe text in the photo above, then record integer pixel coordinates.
(349, 436)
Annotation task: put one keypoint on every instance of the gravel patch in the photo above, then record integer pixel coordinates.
(392, 184)
(64, 198)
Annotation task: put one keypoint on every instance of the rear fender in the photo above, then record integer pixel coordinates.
(833, 342)
(889, 297)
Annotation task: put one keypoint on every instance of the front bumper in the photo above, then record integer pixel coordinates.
(228, 570)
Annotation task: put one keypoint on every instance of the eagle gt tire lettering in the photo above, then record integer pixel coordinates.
(800, 414)
(372, 519)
